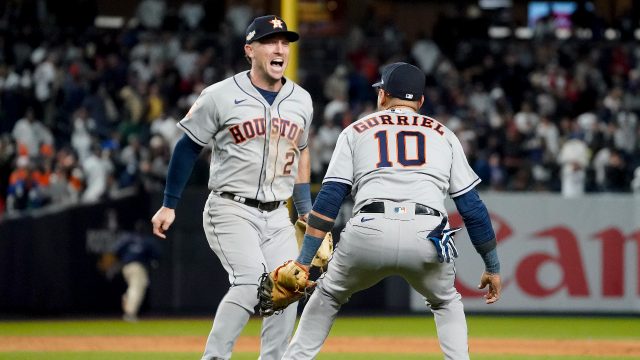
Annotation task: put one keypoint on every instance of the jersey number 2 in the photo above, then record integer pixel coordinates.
(290, 156)
(401, 144)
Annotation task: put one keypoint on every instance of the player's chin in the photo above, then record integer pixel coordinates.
(276, 71)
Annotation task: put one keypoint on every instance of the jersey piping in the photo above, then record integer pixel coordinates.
(267, 122)
(191, 135)
(350, 182)
(465, 189)
(275, 165)
(233, 272)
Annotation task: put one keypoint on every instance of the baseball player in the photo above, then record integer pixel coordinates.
(259, 122)
(136, 251)
(399, 166)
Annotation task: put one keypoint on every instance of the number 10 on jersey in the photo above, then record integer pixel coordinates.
(418, 157)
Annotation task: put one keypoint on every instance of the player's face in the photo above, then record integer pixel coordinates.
(269, 58)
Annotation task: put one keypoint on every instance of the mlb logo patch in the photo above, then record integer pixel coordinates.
(400, 210)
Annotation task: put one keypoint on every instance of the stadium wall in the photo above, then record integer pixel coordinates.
(558, 256)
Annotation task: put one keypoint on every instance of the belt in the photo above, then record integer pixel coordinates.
(266, 206)
(378, 207)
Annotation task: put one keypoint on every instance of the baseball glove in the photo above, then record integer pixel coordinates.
(282, 287)
(325, 250)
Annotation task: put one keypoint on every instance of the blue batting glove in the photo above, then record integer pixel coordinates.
(443, 241)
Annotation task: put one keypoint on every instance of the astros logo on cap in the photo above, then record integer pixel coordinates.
(277, 23)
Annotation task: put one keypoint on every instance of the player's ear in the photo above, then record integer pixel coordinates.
(420, 102)
(382, 98)
(248, 52)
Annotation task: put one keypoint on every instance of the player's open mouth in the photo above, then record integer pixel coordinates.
(277, 63)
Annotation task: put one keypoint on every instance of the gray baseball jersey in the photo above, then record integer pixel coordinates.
(397, 159)
(256, 146)
(256, 149)
(428, 154)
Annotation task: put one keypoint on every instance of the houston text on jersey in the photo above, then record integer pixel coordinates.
(249, 129)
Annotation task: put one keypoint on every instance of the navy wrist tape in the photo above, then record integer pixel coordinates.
(491, 261)
(310, 246)
(302, 198)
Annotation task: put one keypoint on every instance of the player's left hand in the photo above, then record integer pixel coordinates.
(282, 287)
(162, 220)
(495, 286)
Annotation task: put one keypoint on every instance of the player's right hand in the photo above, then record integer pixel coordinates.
(162, 220)
(495, 286)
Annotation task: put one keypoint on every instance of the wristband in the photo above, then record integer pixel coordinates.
(491, 262)
(302, 198)
(310, 246)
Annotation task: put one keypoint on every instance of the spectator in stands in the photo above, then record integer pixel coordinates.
(325, 140)
(337, 83)
(130, 158)
(127, 78)
(526, 120)
(154, 168)
(45, 78)
(165, 126)
(599, 164)
(101, 108)
(191, 13)
(151, 13)
(96, 175)
(7, 157)
(31, 135)
(25, 187)
(616, 173)
(574, 158)
(81, 137)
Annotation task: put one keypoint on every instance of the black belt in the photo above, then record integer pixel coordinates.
(378, 207)
(266, 206)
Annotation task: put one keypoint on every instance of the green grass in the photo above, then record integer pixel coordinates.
(479, 326)
(415, 326)
(184, 327)
(254, 356)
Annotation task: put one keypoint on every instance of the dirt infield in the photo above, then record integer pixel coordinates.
(334, 344)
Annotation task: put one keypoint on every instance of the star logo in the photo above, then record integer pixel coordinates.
(277, 23)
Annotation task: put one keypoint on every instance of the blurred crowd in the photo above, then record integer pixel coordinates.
(88, 112)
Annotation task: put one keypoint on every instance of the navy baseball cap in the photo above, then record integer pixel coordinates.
(268, 25)
(403, 81)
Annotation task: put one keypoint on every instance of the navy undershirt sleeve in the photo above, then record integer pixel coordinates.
(181, 165)
(330, 198)
(477, 221)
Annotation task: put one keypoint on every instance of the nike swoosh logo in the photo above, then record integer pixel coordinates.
(366, 219)
(239, 101)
